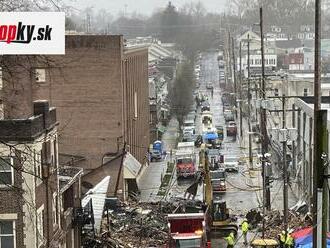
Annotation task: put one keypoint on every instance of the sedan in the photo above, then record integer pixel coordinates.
(231, 163)
(209, 86)
(155, 155)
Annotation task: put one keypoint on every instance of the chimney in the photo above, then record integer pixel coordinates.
(41, 107)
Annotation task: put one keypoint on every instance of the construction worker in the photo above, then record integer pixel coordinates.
(282, 239)
(289, 242)
(230, 240)
(245, 229)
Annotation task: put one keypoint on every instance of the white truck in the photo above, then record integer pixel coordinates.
(185, 159)
(207, 120)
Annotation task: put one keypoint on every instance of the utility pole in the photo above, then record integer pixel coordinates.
(319, 142)
(263, 120)
(240, 90)
(249, 105)
(234, 75)
(285, 172)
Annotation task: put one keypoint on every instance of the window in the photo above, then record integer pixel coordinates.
(55, 209)
(40, 226)
(305, 92)
(6, 171)
(46, 153)
(7, 234)
(40, 75)
(135, 105)
(38, 167)
(275, 92)
(55, 152)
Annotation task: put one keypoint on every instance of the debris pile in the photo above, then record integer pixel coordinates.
(139, 224)
(274, 222)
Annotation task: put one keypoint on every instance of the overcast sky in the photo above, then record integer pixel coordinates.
(145, 7)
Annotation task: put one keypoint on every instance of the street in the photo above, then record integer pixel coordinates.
(244, 189)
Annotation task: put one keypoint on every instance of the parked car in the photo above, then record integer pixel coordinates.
(190, 130)
(188, 137)
(209, 85)
(218, 180)
(231, 163)
(231, 129)
(205, 106)
(155, 155)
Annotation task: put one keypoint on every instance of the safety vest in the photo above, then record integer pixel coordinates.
(245, 227)
(282, 238)
(289, 240)
(230, 239)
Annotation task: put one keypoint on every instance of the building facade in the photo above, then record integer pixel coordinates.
(100, 89)
(31, 211)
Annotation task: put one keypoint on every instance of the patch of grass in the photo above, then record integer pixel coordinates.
(166, 180)
(163, 187)
(170, 167)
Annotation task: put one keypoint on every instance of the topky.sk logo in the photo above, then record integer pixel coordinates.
(21, 33)
(32, 33)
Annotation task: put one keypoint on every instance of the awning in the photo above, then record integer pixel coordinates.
(132, 167)
(97, 196)
(161, 129)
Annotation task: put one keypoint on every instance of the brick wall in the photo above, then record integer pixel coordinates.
(93, 87)
(135, 67)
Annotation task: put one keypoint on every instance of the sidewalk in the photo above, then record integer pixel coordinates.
(151, 179)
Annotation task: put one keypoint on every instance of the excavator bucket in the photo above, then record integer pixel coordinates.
(224, 229)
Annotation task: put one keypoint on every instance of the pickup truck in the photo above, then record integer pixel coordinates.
(229, 115)
(231, 163)
(231, 129)
(155, 155)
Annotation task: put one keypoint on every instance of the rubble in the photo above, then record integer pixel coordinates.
(139, 224)
(296, 221)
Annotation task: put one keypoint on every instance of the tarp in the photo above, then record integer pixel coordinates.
(307, 242)
(301, 233)
(210, 136)
(304, 238)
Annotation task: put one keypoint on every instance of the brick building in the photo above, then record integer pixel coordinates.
(30, 210)
(100, 90)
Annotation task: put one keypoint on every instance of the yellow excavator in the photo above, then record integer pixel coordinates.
(220, 219)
